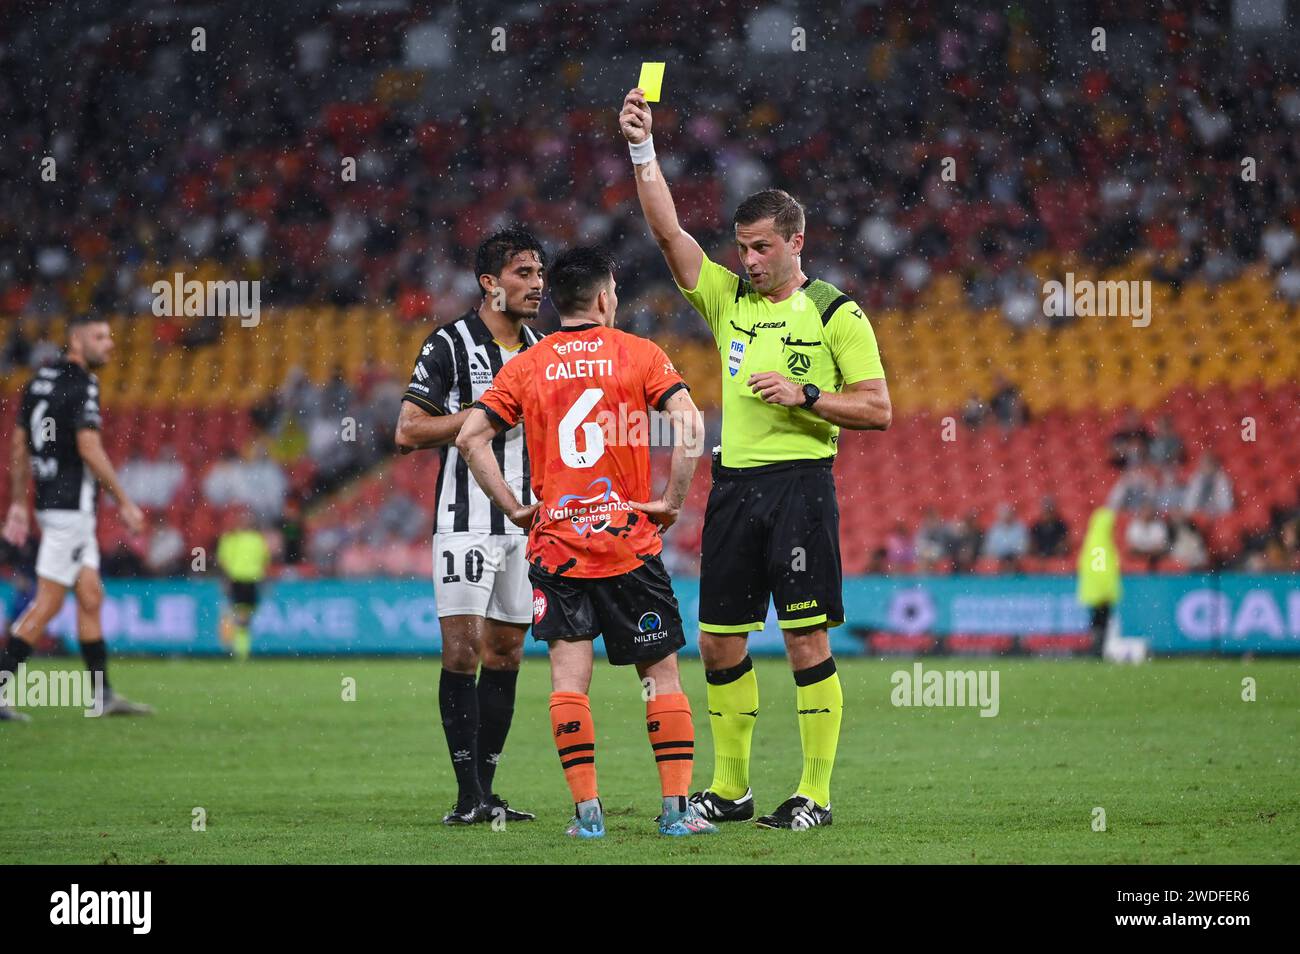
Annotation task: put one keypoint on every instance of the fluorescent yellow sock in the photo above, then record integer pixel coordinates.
(820, 702)
(243, 643)
(733, 710)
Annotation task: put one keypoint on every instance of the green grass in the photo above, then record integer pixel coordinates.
(287, 772)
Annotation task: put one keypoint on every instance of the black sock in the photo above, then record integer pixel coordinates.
(496, 707)
(14, 654)
(96, 656)
(459, 704)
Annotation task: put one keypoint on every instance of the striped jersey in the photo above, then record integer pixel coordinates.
(62, 399)
(456, 364)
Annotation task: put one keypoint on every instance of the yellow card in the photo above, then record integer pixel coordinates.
(652, 80)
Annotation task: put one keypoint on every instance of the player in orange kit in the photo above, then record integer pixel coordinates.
(594, 544)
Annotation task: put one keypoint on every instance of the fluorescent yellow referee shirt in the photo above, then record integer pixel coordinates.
(816, 336)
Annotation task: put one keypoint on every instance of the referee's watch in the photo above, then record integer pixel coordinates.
(811, 393)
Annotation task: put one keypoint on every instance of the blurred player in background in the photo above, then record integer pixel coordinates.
(800, 362)
(480, 575)
(57, 443)
(1099, 578)
(594, 547)
(243, 557)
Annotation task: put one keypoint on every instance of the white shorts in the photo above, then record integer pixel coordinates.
(478, 574)
(68, 545)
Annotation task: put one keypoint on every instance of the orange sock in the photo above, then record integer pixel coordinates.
(575, 739)
(672, 739)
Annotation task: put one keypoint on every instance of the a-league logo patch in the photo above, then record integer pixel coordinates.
(539, 605)
(735, 356)
(798, 363)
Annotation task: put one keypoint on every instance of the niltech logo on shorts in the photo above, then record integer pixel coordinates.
(651, 626)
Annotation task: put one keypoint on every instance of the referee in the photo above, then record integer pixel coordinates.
(799, 362)
(243, 556)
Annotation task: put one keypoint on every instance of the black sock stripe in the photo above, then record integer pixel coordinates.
(656, 746)
(582, 760)
(814, 674)
(582, 747)
(682, 757)
(720, 677)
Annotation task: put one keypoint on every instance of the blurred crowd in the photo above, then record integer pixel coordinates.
(240, 170)
(1163, 504)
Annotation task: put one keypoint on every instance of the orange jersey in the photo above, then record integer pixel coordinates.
(584, 395)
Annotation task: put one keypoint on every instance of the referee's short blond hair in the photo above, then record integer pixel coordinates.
(776, 204)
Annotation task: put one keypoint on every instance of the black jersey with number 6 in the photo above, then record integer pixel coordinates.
(60, 400)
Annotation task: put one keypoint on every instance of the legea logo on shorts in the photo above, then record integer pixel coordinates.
(539, 605)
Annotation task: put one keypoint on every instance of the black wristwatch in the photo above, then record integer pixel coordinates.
(811, 393)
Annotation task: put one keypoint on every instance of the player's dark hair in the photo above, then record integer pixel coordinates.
(496, 251)
(80, 321)
(776, 204)
(577, 277)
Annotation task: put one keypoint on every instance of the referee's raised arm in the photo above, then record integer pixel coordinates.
(683, 254)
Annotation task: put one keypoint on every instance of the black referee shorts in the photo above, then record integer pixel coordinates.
(636, 612)
(771, 532)
(244, 594)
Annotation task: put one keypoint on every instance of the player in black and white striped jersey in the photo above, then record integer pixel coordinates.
(480, 573)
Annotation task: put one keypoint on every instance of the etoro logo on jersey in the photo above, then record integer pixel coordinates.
(592, 513)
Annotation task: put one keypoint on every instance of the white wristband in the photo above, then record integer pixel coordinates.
(642, 152)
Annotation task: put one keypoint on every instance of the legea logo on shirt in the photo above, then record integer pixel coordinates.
(736, 356)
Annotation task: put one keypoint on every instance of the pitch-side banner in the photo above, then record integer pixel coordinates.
(1178, 614)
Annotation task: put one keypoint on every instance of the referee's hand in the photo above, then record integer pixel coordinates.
(634, 120)
(776, 389)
